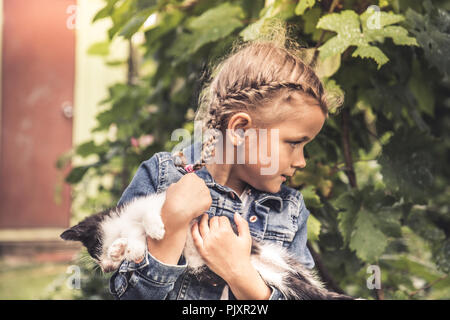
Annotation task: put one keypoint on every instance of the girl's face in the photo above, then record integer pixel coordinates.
(282, 152)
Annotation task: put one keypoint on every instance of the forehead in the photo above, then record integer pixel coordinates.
(300, 119)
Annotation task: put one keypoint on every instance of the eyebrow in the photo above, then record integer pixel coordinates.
(304, 138)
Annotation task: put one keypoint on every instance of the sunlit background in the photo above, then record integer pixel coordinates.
(51, 88)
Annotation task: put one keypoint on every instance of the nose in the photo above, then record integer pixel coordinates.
(299, 160)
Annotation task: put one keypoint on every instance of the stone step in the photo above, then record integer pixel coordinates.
(33, 245)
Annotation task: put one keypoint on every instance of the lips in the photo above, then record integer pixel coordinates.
(286, 176)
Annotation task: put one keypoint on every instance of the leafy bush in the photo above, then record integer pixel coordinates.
(376, 181)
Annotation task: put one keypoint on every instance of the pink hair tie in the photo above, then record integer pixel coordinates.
(189, 168)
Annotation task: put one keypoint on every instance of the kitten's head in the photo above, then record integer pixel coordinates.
(89, 232)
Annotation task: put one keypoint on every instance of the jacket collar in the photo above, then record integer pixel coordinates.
(193, 152)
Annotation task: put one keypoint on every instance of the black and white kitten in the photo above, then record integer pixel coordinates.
(120, 233)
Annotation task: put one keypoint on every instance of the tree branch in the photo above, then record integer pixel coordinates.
(323, 272)
(345, 126)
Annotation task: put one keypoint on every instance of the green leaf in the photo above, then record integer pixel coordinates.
(313, 228)
(105, 11)
(64, 159)
(310, 18)
(88, 148)
(280, 9)
(221, 17)
(443, 257)
(303, 5)
(135, 23)
(413, 266)
(377, 20)
(277, 10)
(347, 25)
(167, 21)
(257, 29)
(420, 223)
(398, 34)
(420, 87)
(431, 32)
(99, 49)
(328, 67)
(389, 221)
(367, 239)
(408, 167)
(346, 224)
(212, 25)
(371, 52)
(349, 205)
(121, 15)
(144, 4)
(312, 200)
(76, 174)
(335, 95)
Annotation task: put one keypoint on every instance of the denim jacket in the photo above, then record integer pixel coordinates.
(275, 217)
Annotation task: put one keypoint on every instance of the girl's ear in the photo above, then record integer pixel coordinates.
(236, 124)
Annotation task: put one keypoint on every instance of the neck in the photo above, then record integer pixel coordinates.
(224, 175)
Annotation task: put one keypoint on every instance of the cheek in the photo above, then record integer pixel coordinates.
(257, 174)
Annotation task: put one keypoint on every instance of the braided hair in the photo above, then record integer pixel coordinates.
(255, 76)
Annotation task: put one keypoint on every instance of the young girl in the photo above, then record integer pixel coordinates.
(261, 87)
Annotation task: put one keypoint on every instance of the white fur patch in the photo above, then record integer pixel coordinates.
(130, 226)
(191, 254)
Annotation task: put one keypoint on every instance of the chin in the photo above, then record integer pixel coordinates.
(272, 187)
(275, 188)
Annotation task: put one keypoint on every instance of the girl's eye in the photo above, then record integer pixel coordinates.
(294, 144)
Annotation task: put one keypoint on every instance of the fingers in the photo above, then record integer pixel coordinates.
(203, 226)
(214, 223)
(211, 225)
(242, 226)
(198, 240)
(224, 223)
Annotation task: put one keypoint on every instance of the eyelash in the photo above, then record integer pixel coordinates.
(295, 144)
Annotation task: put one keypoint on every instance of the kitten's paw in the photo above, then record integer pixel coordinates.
(116, 251)
(135, 250)
(154, 227)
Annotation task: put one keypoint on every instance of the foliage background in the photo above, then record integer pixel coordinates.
(376, 183)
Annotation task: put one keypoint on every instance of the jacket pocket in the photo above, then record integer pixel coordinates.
(282, 226)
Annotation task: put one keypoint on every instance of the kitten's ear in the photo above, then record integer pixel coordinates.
(71, 234)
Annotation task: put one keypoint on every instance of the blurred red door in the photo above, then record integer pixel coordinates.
(38, 58)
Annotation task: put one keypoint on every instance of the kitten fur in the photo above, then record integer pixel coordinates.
(120, 233)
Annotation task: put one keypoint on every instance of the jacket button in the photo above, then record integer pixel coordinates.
(253, 218)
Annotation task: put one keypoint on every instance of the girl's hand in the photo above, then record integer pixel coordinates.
(179, 209)
(225, 253)
(177, 213)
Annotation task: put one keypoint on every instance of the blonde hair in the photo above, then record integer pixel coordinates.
(254, 76)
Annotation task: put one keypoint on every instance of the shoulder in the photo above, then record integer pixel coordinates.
(154, 175)
(162, 169)
(158, 158)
